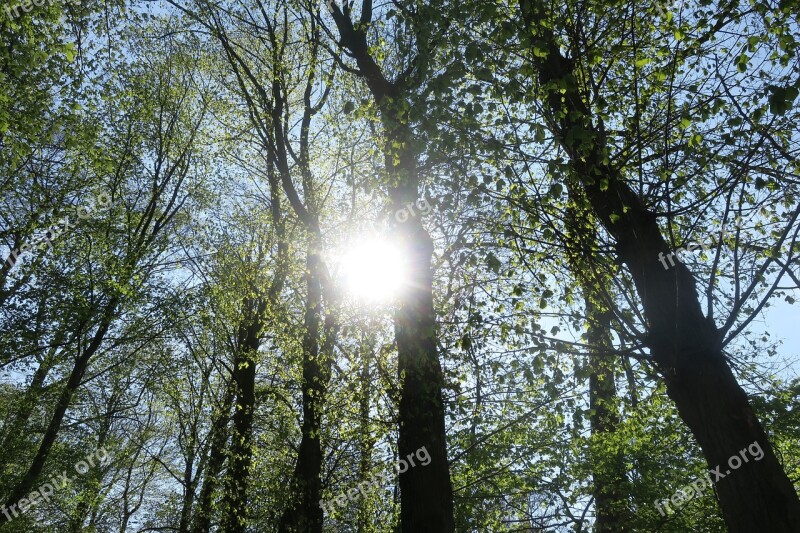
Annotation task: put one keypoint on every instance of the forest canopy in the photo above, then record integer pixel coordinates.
(402, 266)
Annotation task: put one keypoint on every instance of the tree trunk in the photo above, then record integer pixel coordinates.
(189, 488)
(304, 513)
(216, 460)
(683, 342)
(26, 484)
(426, 503)
(426, 493)
(241, 453)
(365, 521)
(608, 469)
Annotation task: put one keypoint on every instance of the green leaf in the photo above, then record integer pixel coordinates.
(493, 262)
(781, 99)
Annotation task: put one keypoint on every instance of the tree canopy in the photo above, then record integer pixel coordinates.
(403, 266)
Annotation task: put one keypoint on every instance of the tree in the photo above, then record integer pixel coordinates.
(426, 494)
(609, 477)
(172, 148)
(686, 345)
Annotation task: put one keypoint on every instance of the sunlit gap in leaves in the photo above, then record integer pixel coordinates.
(372, 269)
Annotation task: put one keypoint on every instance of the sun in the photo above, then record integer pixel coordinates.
(373, 270)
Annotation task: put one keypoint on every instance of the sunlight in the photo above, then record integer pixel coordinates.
(373, 270)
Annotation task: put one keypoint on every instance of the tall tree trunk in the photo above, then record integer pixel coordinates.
(304, 513)
(365, 521)
(189, 490)
(244, 372)
(426, 493)
(216, 460)
(608, 469)
(686, 345)
(241, 452)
